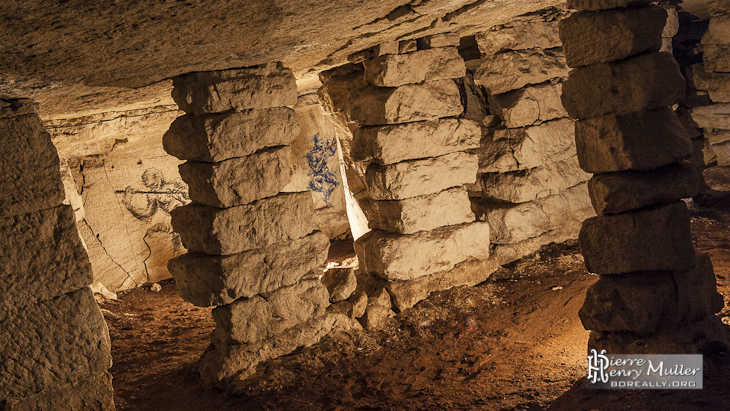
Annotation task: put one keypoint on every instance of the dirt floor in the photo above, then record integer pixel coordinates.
(512, 343)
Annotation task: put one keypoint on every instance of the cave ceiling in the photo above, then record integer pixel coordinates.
(79, 57)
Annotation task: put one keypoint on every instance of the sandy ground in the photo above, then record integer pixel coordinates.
(512, 343)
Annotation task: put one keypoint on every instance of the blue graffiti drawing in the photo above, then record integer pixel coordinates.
(323, 180)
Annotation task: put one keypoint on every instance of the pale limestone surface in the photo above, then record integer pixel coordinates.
(640, 83)
(420, 177)
(527, 185)
(393, 70)
(650, 240)
(395, 143)
(643, 140)
(513, 70)
(218, 137)
(43, 257)
(232, 230)
(529, 105)
(239, 180)
(251, 320)
(412, 102)
(421, 213)
(593, 38)
(528, 147)
(405, 257)
(269, 85)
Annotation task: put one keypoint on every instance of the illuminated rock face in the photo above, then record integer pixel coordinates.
(640, 243)
(46, 302)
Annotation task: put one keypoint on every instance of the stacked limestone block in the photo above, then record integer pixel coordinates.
(54, 343)
(713, 77)
(653, 284)
(530, 187)
(253, 251)
(416, 142)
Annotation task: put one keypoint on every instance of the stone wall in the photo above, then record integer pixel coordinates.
(54, 343)
(122, 186)
(406, 105)
(530, 188)
(709, 107)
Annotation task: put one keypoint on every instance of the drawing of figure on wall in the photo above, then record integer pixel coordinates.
(158, 194)
(323, 181)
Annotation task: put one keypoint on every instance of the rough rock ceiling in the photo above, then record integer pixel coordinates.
(79, 57)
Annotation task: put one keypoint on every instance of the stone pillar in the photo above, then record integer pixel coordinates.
(253, 250)
(407, 110)
(712, 76)
(54, 343)
(655, 294)
(530, 187)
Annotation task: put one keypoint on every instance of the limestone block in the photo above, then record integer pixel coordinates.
(43, 257)
(206, 280)
(394, 143)
(719, 7)
(340, 283)
(389, 47)
(259, 318)
(239, 180)
(421, 213)
(519, 35)
(224, 363)
(413, 102)
(641, 83)
(52, 343)
(218, 137)
(527, 185)
(637, 302)
(638, 141)
(718, 137)
(720, 88)
(395, 70)
(406, 294)
(596, 5)
(407, 46)
(716, 57)
(375, 316)
(420, 177)
(528, 147)
(228, 231)
(671, 28)
(380, 297)
(631, 190)
(592, 38)
(359, 300)
(697, 295)
(651, 240)
(92, 394)
(722, 153)
(717, 178)
(715, 116)
(512, 70)
(529, 105)
(512, 224)
(30, 178)
(264, 86)
(438, 40)
(507, 253)
(405, 257)
(718, 31)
